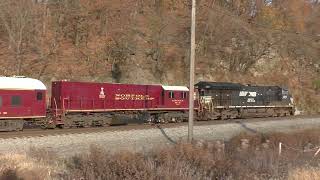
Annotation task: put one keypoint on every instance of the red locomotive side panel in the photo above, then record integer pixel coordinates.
(103, 97)
(22, 98)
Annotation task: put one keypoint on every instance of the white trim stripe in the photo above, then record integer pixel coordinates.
(110, 110)
(21, 117)
(252, 106)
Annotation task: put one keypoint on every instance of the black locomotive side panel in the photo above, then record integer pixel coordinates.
(220, 93)
(220, 100)
(260, 95)
(233, 94)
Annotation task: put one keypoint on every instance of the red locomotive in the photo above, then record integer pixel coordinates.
(82, 104)
(92, 104)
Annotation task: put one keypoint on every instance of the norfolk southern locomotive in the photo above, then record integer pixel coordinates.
(222, 100)
(23, 101)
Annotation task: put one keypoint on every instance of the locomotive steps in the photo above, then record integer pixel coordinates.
(146, 137)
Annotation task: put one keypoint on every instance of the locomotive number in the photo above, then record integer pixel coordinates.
(177, 102)
(251, 100)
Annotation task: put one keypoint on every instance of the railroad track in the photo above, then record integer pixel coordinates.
(52, 132)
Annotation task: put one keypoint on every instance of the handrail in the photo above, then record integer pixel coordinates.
(55, 104)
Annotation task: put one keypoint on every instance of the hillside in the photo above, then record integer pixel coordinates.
(137, 41)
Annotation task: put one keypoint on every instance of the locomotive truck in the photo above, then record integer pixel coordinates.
(24, 101)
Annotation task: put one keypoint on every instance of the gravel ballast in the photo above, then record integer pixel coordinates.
(144, 139)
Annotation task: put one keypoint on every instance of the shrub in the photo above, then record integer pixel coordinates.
(316, 84)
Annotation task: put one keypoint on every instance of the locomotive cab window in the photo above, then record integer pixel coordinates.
(171, 94)
(202, 92)
(39, 96)
(183, 95)
(15, 100)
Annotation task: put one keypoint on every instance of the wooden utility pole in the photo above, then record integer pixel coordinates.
(192, 57)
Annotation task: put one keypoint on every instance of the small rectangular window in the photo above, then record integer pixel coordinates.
(171, 94)
(39, 96)
(183, 95)
(15, 100)
(202, 93)
(0, 101)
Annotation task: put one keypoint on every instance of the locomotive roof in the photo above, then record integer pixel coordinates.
(175, 88)
(218, 85)
(21, 83)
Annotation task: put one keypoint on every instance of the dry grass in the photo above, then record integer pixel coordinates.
(305, 173)
(182, 161)
(20, 166)
(244, 157)
(33, 165)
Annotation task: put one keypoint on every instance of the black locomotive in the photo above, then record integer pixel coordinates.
(224, 100)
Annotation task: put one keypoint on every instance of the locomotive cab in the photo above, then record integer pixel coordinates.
(175, 96)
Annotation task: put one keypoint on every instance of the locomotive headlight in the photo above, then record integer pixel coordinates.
(285, 94)
(291, 101)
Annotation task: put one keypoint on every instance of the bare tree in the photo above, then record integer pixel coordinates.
(44, 45)
(16, 17)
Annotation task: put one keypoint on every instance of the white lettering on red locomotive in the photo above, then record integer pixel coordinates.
(123, 97)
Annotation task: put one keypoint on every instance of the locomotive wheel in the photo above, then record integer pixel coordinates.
(224, 117)
(270, 112)
(66, 126)
(161, 120)
(229, 114)
(151, 119)
(202, 116)
(48, 126)
(60, 126)
(179, 120)
(20, 125)
(173, 119)
(234, 114)
(87, 124)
